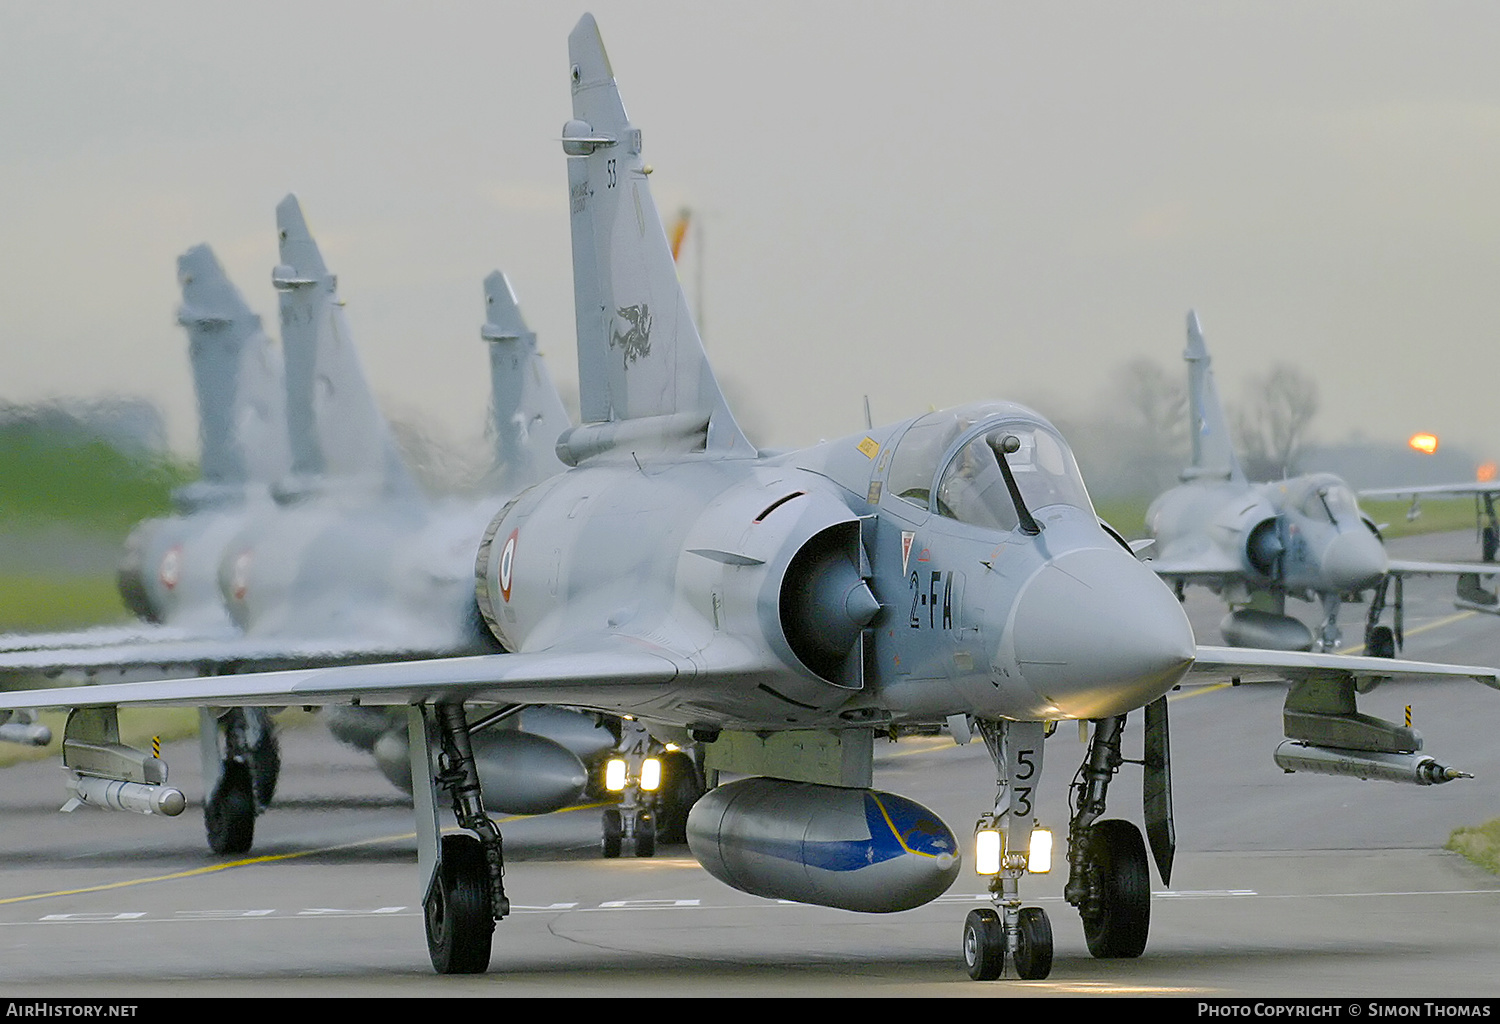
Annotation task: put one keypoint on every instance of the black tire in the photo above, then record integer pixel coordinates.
(645, 834)
(1117, 923)
(681, 786)
(613, 831)
(229, 814)
(457, 910)
(265, 762)
(1381, 643)
(1489, 543)
(984, 945)
(1034, 944)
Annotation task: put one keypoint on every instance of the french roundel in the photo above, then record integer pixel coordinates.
(171, 567)
(239, 580)
(507, 558)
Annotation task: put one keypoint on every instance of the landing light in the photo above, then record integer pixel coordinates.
(987, 852)
(1426, 443)
(651, 774)
(617, 774)
(990, 858)
(1039, 858)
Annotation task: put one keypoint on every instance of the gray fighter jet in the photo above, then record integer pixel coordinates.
(237, 379)
(1256, 544)
(780, 609)
(169, 577)
(307, 542)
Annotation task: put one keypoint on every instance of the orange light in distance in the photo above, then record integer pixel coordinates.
(1424, 443)
(1485, 473)
(679, 231)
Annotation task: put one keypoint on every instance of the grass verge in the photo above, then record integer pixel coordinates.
(31, 603)
(1479, 843)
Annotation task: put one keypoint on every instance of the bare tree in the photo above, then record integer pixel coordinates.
(1132, 438)
(1272, 424)
(1158, 400)
(1151, 432)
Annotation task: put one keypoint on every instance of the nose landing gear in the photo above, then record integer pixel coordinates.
(657, 788)
(1109, 880)
(1009, 931)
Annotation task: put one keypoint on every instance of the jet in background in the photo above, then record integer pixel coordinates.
(780, 609)
(308, 542)
(1257, 544)
(238, 382)
(169, 577)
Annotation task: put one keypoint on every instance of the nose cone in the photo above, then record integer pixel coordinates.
(1354, 560)
(1097, 634)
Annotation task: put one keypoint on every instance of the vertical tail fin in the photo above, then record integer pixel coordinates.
(1213, 448)
(527, 413)
(237, 375)
(639, 353)
(337, 431)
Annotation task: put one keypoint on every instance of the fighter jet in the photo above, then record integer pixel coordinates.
(307, 541)
(1256, 544)
(169, 575)
(780, 609)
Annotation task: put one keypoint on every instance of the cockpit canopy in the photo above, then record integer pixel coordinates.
(1324, 496)
(949, 462)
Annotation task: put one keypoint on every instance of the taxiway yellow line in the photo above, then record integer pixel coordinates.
(206, 870)
(1436, 623)
(248, 862)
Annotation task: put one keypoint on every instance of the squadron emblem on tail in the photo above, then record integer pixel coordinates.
(635, 342)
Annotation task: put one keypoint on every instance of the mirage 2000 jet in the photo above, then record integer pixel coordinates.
(1257, 544)
(780, 609)
(306, 541)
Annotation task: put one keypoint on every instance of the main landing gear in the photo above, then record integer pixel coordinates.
(1489, 535)
(1385, 641)
(240, 750)
(465, 892)
(1109, 879)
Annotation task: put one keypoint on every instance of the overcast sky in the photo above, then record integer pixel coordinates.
(926, 203)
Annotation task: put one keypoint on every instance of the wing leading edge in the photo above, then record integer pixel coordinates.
(1251, 665)
(623, 673)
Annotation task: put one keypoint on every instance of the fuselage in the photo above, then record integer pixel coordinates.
(886, 576)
